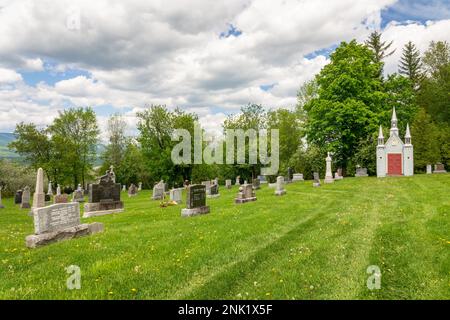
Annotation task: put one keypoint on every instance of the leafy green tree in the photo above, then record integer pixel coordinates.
(350, 99)
(156, 125)
(411, 64)
(115, 150)
(290, 133)
(425, 135)
(74, 135)
(35, 146)
(436, 57)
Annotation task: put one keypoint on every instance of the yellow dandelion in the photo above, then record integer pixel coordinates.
(133, 290)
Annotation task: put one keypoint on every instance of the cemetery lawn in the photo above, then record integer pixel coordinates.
(312, 243)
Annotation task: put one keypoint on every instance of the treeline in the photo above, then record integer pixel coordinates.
(339, 111)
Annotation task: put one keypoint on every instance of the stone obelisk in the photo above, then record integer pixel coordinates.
(39, 196)
(328, 173)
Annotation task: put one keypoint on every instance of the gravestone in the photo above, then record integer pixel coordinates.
(104, 197)
(39, 195)
(280, 186)
(1, 204)
(338, 174)
(59, 222)
(58, 190)
(158, 191)
(132, 190)
(328, 173)
(228, 183)
(176, 195)
(316, 182)
(195, 201)
(124, 188)
(297, 177)
(140, 186)
(78, 195)
(290, 175)
(245, 194)
(49, 189)
(213, 191)
(61, 198)
(18, 197)
(439, 168)
(361, 172)
(256, 184)
(25, 203)
(216, 181)
(262, 179)
(238, 182)
(429, 170)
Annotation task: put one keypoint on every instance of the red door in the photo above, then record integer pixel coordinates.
(394, 164)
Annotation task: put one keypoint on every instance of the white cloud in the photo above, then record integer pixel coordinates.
(138, 53)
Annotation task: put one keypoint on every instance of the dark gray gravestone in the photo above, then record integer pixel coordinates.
(290, 173)
(18, 197)
(195, 201)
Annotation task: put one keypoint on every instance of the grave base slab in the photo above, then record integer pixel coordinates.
(38, 240)
(194, 211)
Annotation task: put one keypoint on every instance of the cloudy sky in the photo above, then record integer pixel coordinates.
(210, 57)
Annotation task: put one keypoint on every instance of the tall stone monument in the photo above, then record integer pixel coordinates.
(104, 197)
(39, 195)
(195, 201)
(49, 189)
(328, 173)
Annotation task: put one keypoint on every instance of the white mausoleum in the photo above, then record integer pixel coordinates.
(395, 158)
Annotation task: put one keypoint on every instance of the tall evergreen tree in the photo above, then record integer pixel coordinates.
(411, 64)
(380, 48)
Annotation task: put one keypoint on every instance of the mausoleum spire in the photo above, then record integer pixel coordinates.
(380, 137)
(407, 135)
(394, 127)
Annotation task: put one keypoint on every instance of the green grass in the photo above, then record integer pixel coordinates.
(312, 243)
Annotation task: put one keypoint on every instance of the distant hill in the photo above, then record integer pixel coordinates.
(6, 138)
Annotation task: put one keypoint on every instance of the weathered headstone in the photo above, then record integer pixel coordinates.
(1, 204)
(228, 183)
(429, 169)
(297, 177)
(25, 203)
(238, 182)
(338, 174)
(361, 172)
(176, 195)
(58, 190)
(245, 194)
(158, 191)
(132, 190)
(18, 197)
(124, 188)
(59, 222)
(195, 201)
(140, 186)
(316, 182)
(439, 168)
(78, 195)
(290, 175)
(39, 195)
(213, 191)
(280, 186)
(262, 179)
(328, 173)
(256, 184)
(104, 197)
(61, 198)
